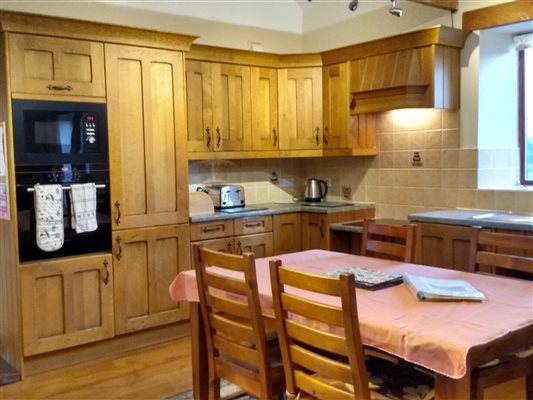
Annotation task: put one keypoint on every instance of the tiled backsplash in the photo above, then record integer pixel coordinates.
(447, 178)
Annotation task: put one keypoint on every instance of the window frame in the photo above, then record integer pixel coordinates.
(522, 117)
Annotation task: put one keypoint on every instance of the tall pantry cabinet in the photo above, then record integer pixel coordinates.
(148, 164)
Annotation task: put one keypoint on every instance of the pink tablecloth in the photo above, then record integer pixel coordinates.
(436, 335)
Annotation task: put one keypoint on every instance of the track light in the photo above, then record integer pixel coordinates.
(353, 5)
(394, 10)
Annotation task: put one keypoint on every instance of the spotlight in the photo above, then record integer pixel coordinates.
(353, 5)
(394, 10)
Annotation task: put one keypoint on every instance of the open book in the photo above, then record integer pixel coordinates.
(370, 279)
(442, 289)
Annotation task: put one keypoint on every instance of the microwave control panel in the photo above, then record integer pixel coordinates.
(89, 132)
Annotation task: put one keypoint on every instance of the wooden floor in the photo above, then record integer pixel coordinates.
(153, 373)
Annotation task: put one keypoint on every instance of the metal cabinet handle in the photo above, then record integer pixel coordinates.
(208, 133)
(118, 254)
(208, 229)
(219, 137)
(317, 136)
(253, 224)
(322, 235)
(117, 207)
(106, 273)
(275, 136)
(61, 88)
(325, 137)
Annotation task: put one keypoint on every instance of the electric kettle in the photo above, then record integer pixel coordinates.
(315, 190)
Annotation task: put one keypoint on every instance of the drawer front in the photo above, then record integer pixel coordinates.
(251, 225)
(211, 230)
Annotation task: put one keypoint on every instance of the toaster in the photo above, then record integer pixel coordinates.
(225, 196)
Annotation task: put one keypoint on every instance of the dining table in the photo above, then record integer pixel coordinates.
(450, 338)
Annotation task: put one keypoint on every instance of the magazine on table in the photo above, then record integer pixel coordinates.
(442, 289)
(370, 279)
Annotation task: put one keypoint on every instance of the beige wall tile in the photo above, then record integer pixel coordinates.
(468, 158)
(401, 159)
(432, 159)
(416, 178)
(385, 141)
(432, 178)
(400, 141)
(385, 122)
(434, 139)
(449, 198)
(415, 197)
(450, 158)
(466, 198)
(523, 201)
(450, 119)
(386, 159)
(417, 140)
(450, 139)
(432, 197)
(401, 177)
(449, 178)
(485, 199)
(386, 177)
(433, 119)
(503, 200)
(467, 179)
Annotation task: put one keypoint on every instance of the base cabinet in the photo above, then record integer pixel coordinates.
(146, 260)
(66, 303)
(287, 233)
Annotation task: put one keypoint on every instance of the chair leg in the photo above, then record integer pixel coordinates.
(529, 386)
(214, 389)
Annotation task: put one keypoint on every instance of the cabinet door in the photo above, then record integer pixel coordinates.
(232, 115)
(199, 106)
(264, 86)
(300, 108)
(259, 244)
(443, 245)
(287, 233)
(66, 303)
(335, 106)
(146, 118)
(146, 261)
(315, 231)
(53, 66)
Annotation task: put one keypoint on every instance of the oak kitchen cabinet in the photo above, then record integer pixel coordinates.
(315, 226)
(287, 233)
(66, 302)
(300, 108)
(335, 106)
(51, 66)
(249, 234)
(148, 168)
(264, 91)
(218, 106)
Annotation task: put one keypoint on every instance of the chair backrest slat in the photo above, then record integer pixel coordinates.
(388, 241)
(319, 312)
(316, 337)
(501, 251)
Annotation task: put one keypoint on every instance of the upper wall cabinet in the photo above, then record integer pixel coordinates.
(218, 106)
(41, 65)
(335, 106)
(300, 108)
(414, 70)
(264, 86)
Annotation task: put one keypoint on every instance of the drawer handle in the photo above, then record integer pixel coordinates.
(106, 273)
(253, 224)
(118, 254)
(317, 136)
(117, 207)
(61, 88)
(325, 137)
(208, 133)
(239, 248)
(275, 136)
(209, 229)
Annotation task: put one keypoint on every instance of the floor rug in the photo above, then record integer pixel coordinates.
(226, 389)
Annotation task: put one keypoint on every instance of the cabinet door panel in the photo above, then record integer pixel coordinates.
(66, 303)
(300, 108)
(264, 87)
(225, 245)
(335, 105)
(232, 107)
(287, 233)
(315, 231)
(259, 244)
(146, 123)
(54, 66)
(146, 261)
(199, 106)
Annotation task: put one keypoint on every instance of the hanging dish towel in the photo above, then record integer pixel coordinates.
(83, 207)
(49, 216)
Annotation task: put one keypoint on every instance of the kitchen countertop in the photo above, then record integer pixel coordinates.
(282, 208)
(483, 218)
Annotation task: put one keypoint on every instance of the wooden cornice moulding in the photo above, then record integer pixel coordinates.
(451, 5)
(78, 29)
(498, 15)
(437, 35)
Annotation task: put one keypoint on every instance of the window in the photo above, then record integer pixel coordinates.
(525, 122)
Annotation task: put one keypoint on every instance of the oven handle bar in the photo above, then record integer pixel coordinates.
(102, 186)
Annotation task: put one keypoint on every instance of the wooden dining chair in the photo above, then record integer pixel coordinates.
(502, 253)
(240, 348)
(321, 343)
(388, 241)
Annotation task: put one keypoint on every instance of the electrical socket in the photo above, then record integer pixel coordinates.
(346, 192)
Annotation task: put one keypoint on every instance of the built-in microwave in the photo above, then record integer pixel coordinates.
(53, 132)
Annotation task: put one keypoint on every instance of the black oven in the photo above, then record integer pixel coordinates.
(61, 143)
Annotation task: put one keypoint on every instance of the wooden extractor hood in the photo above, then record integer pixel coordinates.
(413, 70)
